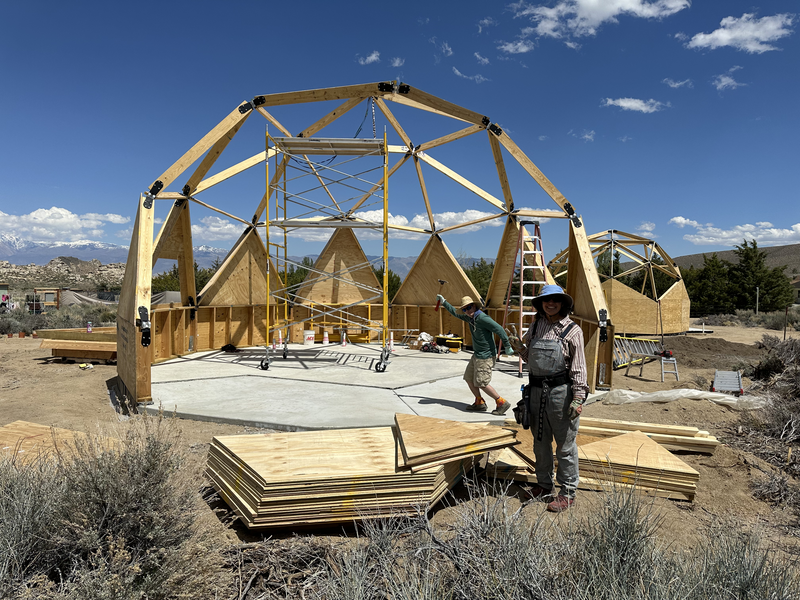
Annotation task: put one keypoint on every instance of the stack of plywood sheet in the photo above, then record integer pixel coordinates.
(635, 459)
(323, 477)
(672, 437)
(427, 441)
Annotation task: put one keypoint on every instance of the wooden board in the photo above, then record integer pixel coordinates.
(25, 441)
(342, 255)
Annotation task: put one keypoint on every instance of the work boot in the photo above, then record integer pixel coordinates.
(536, 492)
(560, 504)
(502, 407)
(479, 406)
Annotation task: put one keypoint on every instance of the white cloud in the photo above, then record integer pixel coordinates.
(746, 33)
(125, 234)
(578, 18)
(647, 227)
(625, 138)
(543, 138)
(645, 106)
(372, 57)
(424, 21)
(486, 22)
(58, 224)
(588, 136)
(482, 60)
(397, 62)
(476, 78)
(573, 45)
(724, 81)
(763, 232)
(215, 229)
(446, 49)
(519, 47)
(678, 84)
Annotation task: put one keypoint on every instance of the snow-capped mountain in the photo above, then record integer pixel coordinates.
(23, 252)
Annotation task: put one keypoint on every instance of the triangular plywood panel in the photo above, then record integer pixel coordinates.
(435, 262)
(504, 264)
(242, 278)
(675, 307)
(631, 311)
(635, 452)
(342, 255)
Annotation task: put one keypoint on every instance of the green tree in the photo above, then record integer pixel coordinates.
(751, 273)
(297, 275)
(604, 264)
(480, 274)
(709, 288)
(170, 281)
(394, 281)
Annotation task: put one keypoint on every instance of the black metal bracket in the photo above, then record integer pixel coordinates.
(186, 189)
(157, 187)
(576, 220)
(495, 130)
(259, 100)
(404, 88)
(603, 322)
(485, 122)
(143, 322)
(386, 86)
(179, 202)
(192, 311)
(148, 201)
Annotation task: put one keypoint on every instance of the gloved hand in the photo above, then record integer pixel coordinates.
(575, 409)
(515, 342)
(509, 350)
(440, 298)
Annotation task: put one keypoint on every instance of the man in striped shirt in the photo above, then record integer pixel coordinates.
(553, 349)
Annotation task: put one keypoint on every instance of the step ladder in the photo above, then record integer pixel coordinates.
(528, 274)
(666, 362)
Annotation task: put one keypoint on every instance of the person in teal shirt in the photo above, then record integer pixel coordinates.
(478, 373)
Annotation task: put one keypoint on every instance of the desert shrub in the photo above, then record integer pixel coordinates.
(122, 525)
(9, 324)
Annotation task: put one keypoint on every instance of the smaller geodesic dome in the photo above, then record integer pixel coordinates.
(642, 285)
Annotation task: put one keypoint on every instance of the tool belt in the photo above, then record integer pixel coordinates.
(551, 381)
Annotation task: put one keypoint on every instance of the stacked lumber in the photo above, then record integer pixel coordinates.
(427, 442)
(672, 437)
(323, 477)
(25, 441)
(635, 459)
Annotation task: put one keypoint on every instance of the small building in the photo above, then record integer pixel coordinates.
(45, 299)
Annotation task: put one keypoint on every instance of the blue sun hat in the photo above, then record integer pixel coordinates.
(557, 293)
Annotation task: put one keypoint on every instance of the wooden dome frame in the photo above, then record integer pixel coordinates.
(177, 330)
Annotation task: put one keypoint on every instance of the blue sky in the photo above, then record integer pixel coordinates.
(670, 119)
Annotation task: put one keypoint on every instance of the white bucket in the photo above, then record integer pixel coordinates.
(325, 340)
(308, 337)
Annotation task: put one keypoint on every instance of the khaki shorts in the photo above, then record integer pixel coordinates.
(479, 371)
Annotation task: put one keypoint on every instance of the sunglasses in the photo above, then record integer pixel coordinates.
(468, 307)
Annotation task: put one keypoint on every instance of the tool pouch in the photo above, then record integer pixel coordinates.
(522, 412)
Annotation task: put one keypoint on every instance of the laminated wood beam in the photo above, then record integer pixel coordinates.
(331, 116)
(393, 122)
(527, 164)
(450, 137)
(461, 180)
(196, 151)
(475, 222)
(186, 260)
(445, 107)
(248, 163)
(424, 193)
(404, 100)
(274, 121)
(321, 95)
(407, 228)
(222, 212)
(540, 214)
(211, 156)
(377, 186)
(501, 170)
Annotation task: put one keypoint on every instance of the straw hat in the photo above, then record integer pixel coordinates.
(466, 300)
(554, 292)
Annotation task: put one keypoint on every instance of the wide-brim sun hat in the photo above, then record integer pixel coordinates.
(554, 292)
(466, 301)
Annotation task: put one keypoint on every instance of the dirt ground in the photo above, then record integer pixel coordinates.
(35, 388)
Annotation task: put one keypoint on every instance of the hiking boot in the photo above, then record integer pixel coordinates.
(536, 492)
(560, 504)
(502, 408)
(477, 407)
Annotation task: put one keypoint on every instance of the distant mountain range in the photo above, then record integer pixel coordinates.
(776, 256)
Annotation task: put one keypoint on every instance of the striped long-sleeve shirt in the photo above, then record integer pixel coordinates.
(574, 355)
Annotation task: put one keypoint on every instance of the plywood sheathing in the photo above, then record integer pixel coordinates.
(341, 255)
(242, 277)
(427, 441)
(23, 441)
(504, 264)
(133, 359)
(635, 313)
